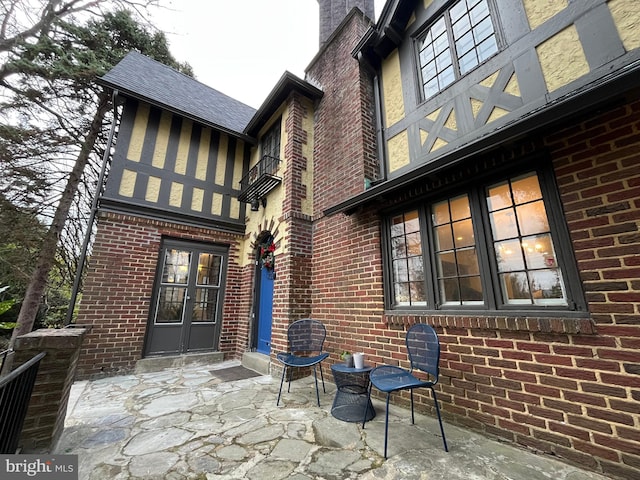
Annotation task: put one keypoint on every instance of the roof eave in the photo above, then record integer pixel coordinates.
(288, 82)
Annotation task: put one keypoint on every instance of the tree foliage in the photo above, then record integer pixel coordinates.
(55, 119)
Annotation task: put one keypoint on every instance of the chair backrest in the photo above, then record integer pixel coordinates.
(423, 347)
(306, 336)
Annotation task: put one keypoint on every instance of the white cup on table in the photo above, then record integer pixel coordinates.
(358, 359)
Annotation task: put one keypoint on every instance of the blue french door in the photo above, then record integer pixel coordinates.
(265, 311)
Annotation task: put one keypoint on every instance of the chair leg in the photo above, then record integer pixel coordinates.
(290, 376)
(322, 377)
(284, 369)
(366, 406)
(435, 401)
(315, 376)
(386, 425)
(413, 421)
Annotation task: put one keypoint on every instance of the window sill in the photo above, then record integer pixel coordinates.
(570, 324)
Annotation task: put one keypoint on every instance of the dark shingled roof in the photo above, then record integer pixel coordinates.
(141, 77)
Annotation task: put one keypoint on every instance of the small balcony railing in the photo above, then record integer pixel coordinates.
(260, 180)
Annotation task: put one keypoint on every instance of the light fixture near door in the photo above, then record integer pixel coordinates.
(255, 204)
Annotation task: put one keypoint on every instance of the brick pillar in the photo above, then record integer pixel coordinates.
(48, 405)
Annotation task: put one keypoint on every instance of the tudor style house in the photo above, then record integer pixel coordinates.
(471, 164)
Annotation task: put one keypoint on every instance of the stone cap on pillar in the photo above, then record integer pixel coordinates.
(52, 338)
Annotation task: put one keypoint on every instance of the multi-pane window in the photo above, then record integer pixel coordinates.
(455, 252)
(522, 244)
(408, 270)
(458, 41)
(270, 142)
(499, 251)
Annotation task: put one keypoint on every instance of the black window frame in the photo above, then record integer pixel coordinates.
(270, 141)
(455, 58)
(492, 303)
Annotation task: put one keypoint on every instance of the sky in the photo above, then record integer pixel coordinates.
(242, 47)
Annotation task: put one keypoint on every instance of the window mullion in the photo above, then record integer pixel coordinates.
(484, 244)
(430, 277)
(452, 45)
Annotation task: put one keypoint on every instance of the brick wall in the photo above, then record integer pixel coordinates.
(344, 146)
(292, 287)
(568, 387)
(118, 289)
(347, 268)
(47, 409)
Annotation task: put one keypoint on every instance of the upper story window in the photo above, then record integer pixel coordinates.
(270, 143)
(462, 38)
(485, 247)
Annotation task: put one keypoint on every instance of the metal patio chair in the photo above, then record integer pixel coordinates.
(306, 341)
(423, 348)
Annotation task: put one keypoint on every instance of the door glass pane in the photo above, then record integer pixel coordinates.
(209, 268)
(170, 304)
(205, 305)
(176, 266)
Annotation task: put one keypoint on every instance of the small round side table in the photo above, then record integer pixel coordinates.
(352, 393)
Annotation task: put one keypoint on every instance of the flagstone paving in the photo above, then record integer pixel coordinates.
(185, 423)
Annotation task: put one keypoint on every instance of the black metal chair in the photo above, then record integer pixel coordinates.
(306, 341)
(423, 348)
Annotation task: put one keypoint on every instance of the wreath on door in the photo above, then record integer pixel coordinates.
(267, 255)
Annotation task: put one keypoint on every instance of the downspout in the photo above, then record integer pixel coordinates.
(92, 215)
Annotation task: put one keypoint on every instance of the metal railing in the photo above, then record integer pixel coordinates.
(15, 394)
(3, 358)
(260, 180)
